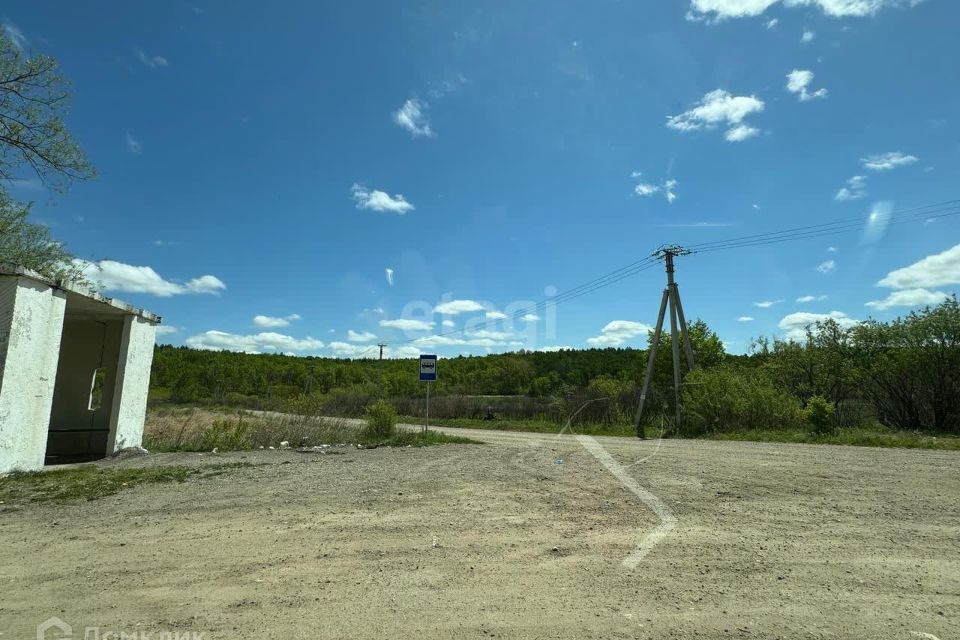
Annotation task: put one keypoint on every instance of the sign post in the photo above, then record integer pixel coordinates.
(428, 374)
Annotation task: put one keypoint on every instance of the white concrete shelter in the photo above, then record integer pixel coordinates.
(74, 371)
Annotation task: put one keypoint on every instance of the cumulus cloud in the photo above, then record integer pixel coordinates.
(471, 340)
(807, 36)
(166, 330)
(668, 188)
(388, 272)
(720, 108)
(856, 188)
(360, 336)
(804, 299)
(795, 325)
(745, 319)
(887, 161)
(382, 201)
(496, 315)
(772, 23)
(453, 307)
(616, 332)
(717, 10)
(117, 276)
(151, 61)
(827, 266)
(530, 317)
(412, 116)
(798, 82)
(938, 270)
(909, 298)
(256, 343)
(407, 324)
(348, 350)
(766, 304)
(273, 322)
(448, 323)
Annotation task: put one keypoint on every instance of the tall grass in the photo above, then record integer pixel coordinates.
(193, 429)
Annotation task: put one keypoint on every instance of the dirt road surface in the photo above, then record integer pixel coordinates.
(526, 537)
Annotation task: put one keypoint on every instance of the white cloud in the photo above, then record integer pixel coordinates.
(496, 315)
(389, 273)
(766, 304)
(909, 298)
(715, 10)
(807, 36)
(380, 200)
(348, 350)
(361, 336)
(745, 319)
(166, 330)
(151, 61)
(827, 266)
(470, 341)
(740, 133)
(406, 324)
(530, 317)
(133, 145)
(887, 161)
(492, 335)
(795, 324)
(619, 331)
(720, 108)
(832, 249)
(15, 35)
(412, 117)
(938, 270)
(257, 343)
(448, 323)
(453, 307)
(117, 276)
(798, 82)
(273, 322)
(772, 23)
(668, 188)
(856, 188)
(808, 298)
(554, 347)
(644, 189)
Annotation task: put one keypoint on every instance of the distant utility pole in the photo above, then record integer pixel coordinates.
(671, 295)
(381, 345)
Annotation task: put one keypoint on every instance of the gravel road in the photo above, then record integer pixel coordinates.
(526, 537)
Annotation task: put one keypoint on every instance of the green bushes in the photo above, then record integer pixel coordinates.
(820, 416)
(381, 419)
(727, 399)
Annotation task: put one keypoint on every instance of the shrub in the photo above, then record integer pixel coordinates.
(724, 399)
(820, 416)
(381, 419)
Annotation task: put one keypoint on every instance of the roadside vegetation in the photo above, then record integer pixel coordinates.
(875, 384)
(90, 482)
(172, 428)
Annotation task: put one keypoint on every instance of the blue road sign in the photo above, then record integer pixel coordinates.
(428, 368)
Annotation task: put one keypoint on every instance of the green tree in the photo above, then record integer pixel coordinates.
(34, 139)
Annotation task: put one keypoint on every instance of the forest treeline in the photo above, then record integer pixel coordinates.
(904, 374)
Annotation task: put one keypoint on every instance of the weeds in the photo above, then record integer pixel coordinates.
(90, 482)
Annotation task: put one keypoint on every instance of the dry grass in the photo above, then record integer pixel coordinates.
(193, 429)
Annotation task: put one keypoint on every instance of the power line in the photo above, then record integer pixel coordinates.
(933, 211)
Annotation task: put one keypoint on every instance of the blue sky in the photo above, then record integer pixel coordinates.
(275, 159)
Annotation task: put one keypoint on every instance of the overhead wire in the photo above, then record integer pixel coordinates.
(928, 212)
